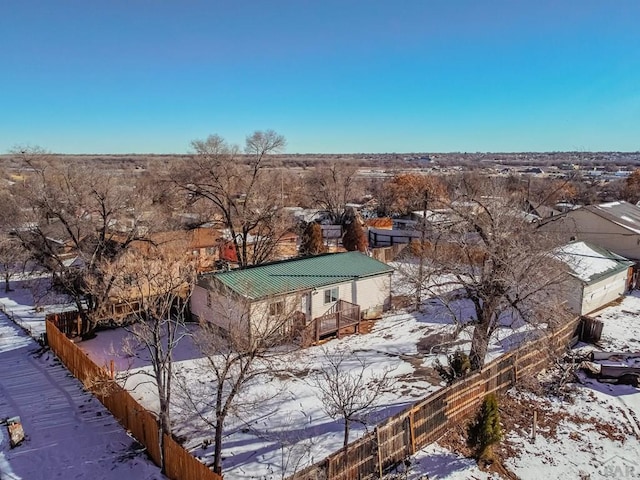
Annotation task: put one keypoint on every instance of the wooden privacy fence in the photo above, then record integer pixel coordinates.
(179, 464)
(69, 323)
(387, 254)
(591, 329)
(427, 420)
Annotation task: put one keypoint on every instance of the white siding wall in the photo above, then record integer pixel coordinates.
(199, 303)
(600, 293)
(263, 323)
(373, 293)
(222, 311)
(369, 293)
(574, 292)
(319, 308)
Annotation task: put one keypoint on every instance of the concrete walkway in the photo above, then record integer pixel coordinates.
(69, 433)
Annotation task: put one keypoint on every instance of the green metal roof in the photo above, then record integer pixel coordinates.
(300, 274)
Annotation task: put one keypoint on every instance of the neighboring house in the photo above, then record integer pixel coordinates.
(541, 211)
(204, 243)
(286, 246)
(323, 294)
(384, 223)
(382, 237)
(598, 276)
(614, 226)
(201, 244)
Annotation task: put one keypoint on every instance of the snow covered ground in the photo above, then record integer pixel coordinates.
(289, 428)
(69, 434)
(592, 431)
(30, 302)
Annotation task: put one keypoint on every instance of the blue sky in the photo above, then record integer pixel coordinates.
(149, 76)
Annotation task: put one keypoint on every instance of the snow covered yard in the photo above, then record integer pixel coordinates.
(589, 430)
(288, 428)
(30, 300)
(69, 434)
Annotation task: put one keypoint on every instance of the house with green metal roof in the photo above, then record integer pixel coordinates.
(324, 294)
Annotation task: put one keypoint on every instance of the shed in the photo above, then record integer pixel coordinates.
(598, 276)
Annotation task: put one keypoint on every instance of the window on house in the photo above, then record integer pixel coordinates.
(331, 295)
(276, 308)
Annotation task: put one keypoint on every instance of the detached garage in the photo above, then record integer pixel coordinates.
(598, 276)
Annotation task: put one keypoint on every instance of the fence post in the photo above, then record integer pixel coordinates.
(379, 453)
(412, 432)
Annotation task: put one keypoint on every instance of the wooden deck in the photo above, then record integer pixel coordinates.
(342, 315)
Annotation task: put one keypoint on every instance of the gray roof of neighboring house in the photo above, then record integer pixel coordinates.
(621, 213)
(300, 274)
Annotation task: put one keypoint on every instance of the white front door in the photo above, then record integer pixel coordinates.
(305, 305)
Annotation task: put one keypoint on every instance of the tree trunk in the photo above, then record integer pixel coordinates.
(165, 429)
(7, 288)
(88, 326)
(347, 427)
(479, 345)
(423, 235)
(217, 452)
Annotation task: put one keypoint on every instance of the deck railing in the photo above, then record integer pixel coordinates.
(342, 315)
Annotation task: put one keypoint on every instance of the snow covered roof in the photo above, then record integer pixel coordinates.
(590, 263)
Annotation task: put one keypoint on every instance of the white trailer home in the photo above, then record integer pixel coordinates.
(324, 294)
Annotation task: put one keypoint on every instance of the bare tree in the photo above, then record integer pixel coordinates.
(73, 219)
(349, 387)
(154, 285)
(12, 254)
(407, 193)
(234, 357)
(410, 192)
(241, 189)
(332, 187)
(12, 258)
(502, 264)
(631, 188)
